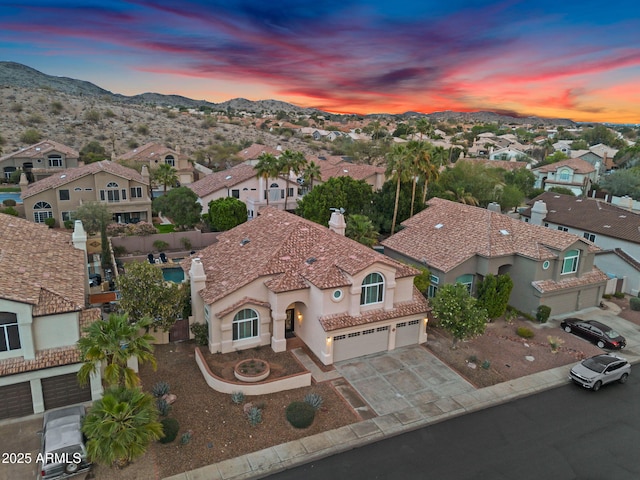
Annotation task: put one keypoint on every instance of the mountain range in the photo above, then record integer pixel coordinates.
(14, 74)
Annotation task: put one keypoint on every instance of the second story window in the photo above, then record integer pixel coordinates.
(64, 194)
(111, 194)
(55, 161)
(9, 333)
(372, 289)
(136, 192)
(170, 160)
(570, 262)
(589, 236)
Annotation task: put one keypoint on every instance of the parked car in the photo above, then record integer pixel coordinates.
(62, 451)
(599, 370)
(597, 332)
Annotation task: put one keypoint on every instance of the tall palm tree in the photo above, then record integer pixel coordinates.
(420, 165)
(290, 162)
(114, 342)
(424, 127)
(165, 175)
(311, 173)
(120, 426)
(267, 167)
(398, 170)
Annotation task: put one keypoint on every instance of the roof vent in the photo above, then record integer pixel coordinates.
(607, 226)
(244, 241)
(63, 176)
(310, 260)
(228, 177)
(504, 232)
(439, 226)
(622, 216)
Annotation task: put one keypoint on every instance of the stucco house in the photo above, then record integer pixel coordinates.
(339, 166)
(614, 229)
(153, 154)
(573, 173)
(43, 288)
(280, 275)
(122, 189)
(40, 160)
(462, 244)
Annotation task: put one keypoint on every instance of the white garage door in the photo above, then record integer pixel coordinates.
(407, 333)
(356, 344)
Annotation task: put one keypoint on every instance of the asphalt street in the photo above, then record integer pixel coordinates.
(565, 433)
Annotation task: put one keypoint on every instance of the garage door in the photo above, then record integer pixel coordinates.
(356, 344)
(407, 333)
(15, 400)
(64, 390)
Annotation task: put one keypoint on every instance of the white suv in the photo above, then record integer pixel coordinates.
(599, 370)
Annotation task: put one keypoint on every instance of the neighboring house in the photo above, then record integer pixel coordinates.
(615, 230)
(280, 275)
(339, 166)
(43, 286)
(506, 165)
(122, 189)
(573, 173)
(153, 154)
(40, 160)
(508, 154)
(462, 244)
(254, 151)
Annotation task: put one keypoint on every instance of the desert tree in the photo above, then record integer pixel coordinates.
(398, 170)
(457, 312)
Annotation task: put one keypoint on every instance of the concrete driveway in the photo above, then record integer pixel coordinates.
(20, 437)
(406, 377)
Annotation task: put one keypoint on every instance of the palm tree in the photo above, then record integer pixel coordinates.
(360, 228)
(120, 426)
(399, 170)
(424, 126)
(311, 173)
(460, 195)
(166, 176)
(290, 162)
(114, 342)
(420, 167)
(267, 167)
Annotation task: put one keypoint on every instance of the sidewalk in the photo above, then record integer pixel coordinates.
(447, 405)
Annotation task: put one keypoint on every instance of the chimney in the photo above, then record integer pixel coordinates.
(196, 272)
(494, 207)
(145, 174)
(79, 240)
(538, 212)
(24, 183)
(337, 223)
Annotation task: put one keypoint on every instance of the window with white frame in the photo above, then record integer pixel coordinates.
(372, 289)
(589, 236)
(433, 286)
(111, 194)
(245, 324)
(570, 262)
(66, 216)
(42, 211)
(564, 175)
(563, 229)
(9, 333)
(170, 160)
(55, 161)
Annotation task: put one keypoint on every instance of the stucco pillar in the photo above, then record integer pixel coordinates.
(278, 340)
(423, 337)
(327, 352)
(79, 240)
(95, 383)
(36, 395)
(197, 279)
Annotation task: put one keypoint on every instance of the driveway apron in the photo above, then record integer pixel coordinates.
(405, 377)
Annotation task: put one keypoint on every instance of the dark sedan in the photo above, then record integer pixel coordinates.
(597, 332)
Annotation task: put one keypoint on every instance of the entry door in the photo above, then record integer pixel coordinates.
(289, 323)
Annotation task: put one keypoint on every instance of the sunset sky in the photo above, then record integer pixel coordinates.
(569, 59)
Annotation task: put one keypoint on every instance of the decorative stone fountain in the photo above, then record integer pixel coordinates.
(251, 370)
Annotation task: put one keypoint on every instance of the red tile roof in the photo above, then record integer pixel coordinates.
(41, 148)
(578, 165)
(447, 233)
(63, 177)
(289, 253)
(223, 179)
(593, 277)
(149, 151)
(40, 266)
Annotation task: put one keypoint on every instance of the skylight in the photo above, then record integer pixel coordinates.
(227, 177)
(504, 232)
(439, 226)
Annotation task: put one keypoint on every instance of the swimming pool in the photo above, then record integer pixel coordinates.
(173, 274)
(12, 195)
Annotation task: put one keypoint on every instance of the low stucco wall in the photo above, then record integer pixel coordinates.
(259, 388)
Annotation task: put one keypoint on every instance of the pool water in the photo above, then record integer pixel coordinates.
(12, 195)
(174, 274)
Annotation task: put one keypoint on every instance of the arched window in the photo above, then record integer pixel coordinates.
(169, 160)
(564, 175)
(112, 194)
(42, 211)
(372, 289)
(112, 185)
(570, 261)
(245, 324)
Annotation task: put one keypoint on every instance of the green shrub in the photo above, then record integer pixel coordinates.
(163, 407)
(314, 400)
(634, 303)
(50, 222)
(170, 427)
(119, 250)
(524, 332)
(606, 296)
(619, 294)
(237, 397)
(186, 437)
(300, 414)
(160, 245)
(9, 202)
(68, 224)
(10, 211)
(186, 243)
(201, 333)
(542, 313)
(254, 415)
(160, 389)
(486, 364)
(472, 359)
